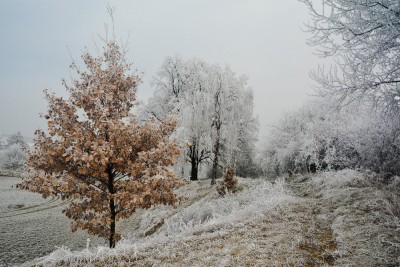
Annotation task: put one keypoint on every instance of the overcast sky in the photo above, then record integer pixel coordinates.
(261, 39)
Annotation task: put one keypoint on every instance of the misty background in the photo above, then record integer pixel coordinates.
(261, 39)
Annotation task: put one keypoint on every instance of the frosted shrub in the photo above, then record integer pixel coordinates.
(12, 157)
(229, 183)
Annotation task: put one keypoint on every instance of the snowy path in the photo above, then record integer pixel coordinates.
(353, 216)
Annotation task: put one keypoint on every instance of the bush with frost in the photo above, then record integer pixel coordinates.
(229, 184)
(12, 158)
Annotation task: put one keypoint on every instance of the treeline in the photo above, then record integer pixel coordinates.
(363, 39)
(214, 107)
(315, 139)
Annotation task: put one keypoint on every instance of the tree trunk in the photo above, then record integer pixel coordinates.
(216, 155)
(112, 209)
(112, 226)
(193, 155)
(216, 160)
(217, 123)
(194, 171)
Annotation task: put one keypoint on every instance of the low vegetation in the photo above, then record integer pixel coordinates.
(229, 183)
(335, 218)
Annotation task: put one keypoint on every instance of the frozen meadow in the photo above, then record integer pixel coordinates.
(32, 226)
(345, 218)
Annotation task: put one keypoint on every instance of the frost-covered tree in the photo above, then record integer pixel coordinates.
(16, 139)
(245, 153)
(180, 87)
(214, 107)
(97, 154)
(313, 138)
(12, 157)
(3, 142)
(234, 126)
(364, 38)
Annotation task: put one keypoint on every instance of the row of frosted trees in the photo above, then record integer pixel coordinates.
(362, 88)
(315, 138)
(215, 114)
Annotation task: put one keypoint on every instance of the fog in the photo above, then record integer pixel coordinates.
(261, 39)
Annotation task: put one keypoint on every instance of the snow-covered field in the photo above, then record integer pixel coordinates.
(160, 234)
(344, 218)
(31, 226)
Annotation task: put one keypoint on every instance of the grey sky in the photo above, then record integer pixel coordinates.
(261, 39)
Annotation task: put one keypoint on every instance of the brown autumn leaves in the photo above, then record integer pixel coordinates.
(99, 155)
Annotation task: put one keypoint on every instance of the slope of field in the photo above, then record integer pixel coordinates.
(31, 226)
(344, 218)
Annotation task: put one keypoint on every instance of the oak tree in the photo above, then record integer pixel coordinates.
(97, 154)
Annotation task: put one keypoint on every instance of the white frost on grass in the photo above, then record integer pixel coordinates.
(208, 215)
(211, 214)
(365, 210)
(347, 218)
(337, 180)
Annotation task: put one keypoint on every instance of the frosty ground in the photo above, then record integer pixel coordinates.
(345, 218)
(32, 226)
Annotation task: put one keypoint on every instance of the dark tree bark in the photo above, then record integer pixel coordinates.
(113, 211)
(195, 158)
(217, 123)
(216, 156)
(194, 171)
(112, 226)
